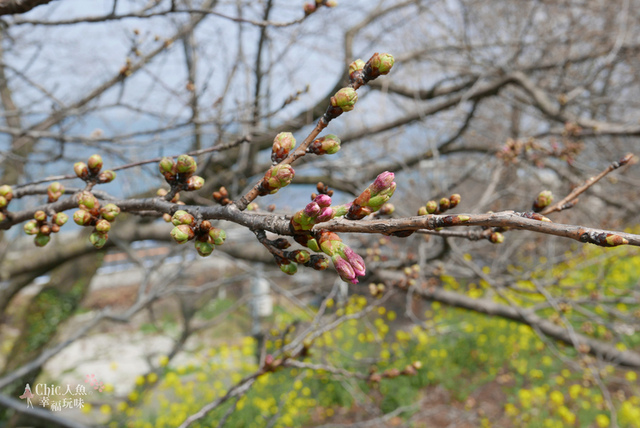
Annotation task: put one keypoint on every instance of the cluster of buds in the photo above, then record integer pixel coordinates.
(6, 194)
(323, 189)
(288, 260)
(347, 263)
(55, 191)
(205, 235)
(43, 228)
(90, 171)
(180, 174)
(310, 8)
(373, 198)
(543, 200)
(327, 145)
(445, 204)
(91, 214)
(277, 177)
(360, 73)
(317, 211)
(377, 290)
(409, 370)
(283, 143)
(221, 196)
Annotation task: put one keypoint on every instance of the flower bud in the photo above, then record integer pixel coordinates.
(345, 270)
(354, 259)
(82, 217)
(496, 238)
(41, 240)
(454, 200)
(277, 177)
(182, 233)
(186, 165)
(195, 183)
(98, 240)
(345, 99)
(81, 170)
(383, 182)
(422, 211)
(387, 209)
(432, 206)
(31, 227)
(312, 209)
(309, 8)
(204, 248)
(45, 229)
(301, 256)
(7, 192)
(327, 145)
(55, 228)
(217, 236)
(54, 191)
(283, 143)
(318, 262)
(106, 176)
(289, 268)
(325, 215)
(40, 215)
(380, 64)
(167, 166)
(103, 226)
(444, 204)
(166, 217)
(323, 200)
(3, 202)
(109, 212)
(544, 199)
(60, 219)
(355, 68)
(182, 217)
(95, 163)
(86, 200)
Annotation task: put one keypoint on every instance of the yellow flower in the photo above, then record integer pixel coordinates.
(557, 398)
(602, 420)
(631, 376)
(163, 361)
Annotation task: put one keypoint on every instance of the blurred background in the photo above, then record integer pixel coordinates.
(493, 100)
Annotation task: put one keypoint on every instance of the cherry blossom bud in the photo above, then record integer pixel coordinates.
(354, 259)
(81, 170)
(182, 233)
(454, 200)
(422, 211)
(6, 192)
(166, 217)
(82, 217)
(289, 268)
(167, 166)
(109, 212)
(380, 64)
(345, 270)
(383, 182)
(195, 183)
(309, 8)
(312, 209)
(355, 68)
(325, 215)
(544, 199)
(496, 238)
(60, 219)
(45, 229)
(318, 262)
(186, 165)
(182, 217)
(204, 248)
(55, 228)
(432, 206)
(41, 240)
(103, 226)
(345, 99)
(87, 200)
(40, 215)
(31, 227)
(98, 239)
(323, 201)
(301, 256)
(218, 236)
(277, 177)
(95, 164)
(283, 143)
(327, 145)
(106, 176)
(387, 209)
(205, 225)
(3, 202)
(330, 3)
(444, 204)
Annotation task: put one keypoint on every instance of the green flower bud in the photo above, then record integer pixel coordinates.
(195, 183)
(167, 217)
(182, 233)
(54, 191)
(289, 268)
(544, 199)
(186, 165)
(277, 177)
(432, 206)
(7, 192)
(60, 219)
(355, 67)
(182, 217)
(496, 238)
(81, 170)
(107, 176)
(204, 248)
(103, 226)
(31, 227)
(454, 200)
(381, 63)
(327, 145)
(87, 201)
(98, 239)
(40, 215)
(301, 256)
(95, 163)
(217, 236)
(82, 217)
(167, 166)
(109, 212)
(422, 211)
(3, 202)
(345, 98)
(41, 240)
(444, 204)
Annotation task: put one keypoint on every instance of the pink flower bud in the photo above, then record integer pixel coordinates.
(382, 182)
(356, 262)
(325, 215)
(344, 269)
(312, 209)
(323, 200)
